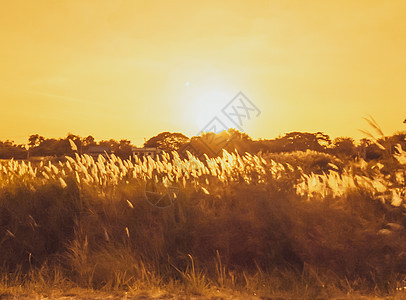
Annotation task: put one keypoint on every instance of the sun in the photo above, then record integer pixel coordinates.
(208, 105)
(202, 99)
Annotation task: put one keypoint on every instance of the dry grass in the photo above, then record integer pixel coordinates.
(232, 226)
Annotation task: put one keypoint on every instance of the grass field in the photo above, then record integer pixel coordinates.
(294, 225)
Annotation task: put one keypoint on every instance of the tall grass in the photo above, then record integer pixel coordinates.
(236, 222)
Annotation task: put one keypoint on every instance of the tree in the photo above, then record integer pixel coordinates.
(10, 150)
(344, 146)
(75, 138)
(302, 141)
(167, 141)
(238, 135)
(239, 141)
(35, 140)
(124, 149)
(323, 139)
(112, 144)
(88, 141)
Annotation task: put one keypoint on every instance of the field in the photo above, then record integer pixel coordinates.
(296, 225)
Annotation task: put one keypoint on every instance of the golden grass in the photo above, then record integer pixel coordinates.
(242, 223)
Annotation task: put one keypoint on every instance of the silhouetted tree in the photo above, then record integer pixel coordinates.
(112, 144)
(77, 140)
(238, 135)
(10, 150)
(344, 146)
(35, 140)
(167, 141)
(239, 141)
(302, 141)
(124, 149)
(88, 141)
(210, 143)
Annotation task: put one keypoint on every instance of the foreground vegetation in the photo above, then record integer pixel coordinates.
(300, 224)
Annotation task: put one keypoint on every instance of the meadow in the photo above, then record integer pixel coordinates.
(290, 225)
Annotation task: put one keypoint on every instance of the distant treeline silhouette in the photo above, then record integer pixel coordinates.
(210, 144)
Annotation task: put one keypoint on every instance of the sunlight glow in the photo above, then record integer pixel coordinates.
(208, 104)
(102, 68)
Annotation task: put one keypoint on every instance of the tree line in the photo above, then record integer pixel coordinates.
(39, 146)
(210, 144)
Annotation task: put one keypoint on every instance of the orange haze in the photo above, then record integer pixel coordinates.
(132, 69)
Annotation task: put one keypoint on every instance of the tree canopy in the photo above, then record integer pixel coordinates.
(210, 144)
(167, 141)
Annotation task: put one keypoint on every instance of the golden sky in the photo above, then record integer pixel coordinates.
(132, 69)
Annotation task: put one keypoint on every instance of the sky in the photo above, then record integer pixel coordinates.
(133, 69)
